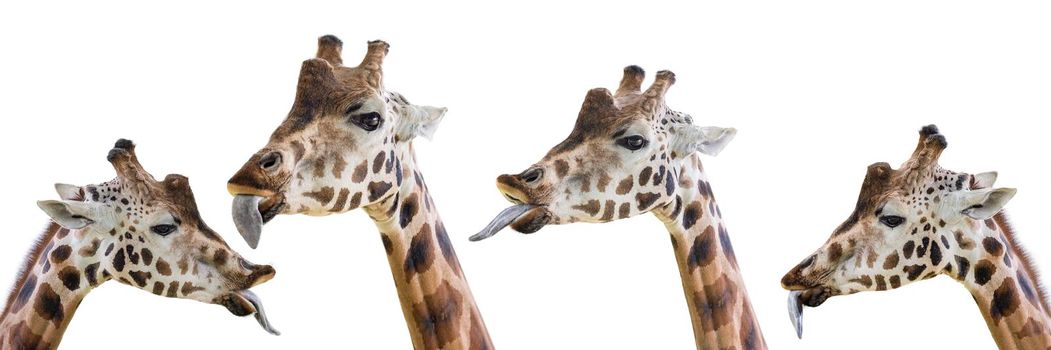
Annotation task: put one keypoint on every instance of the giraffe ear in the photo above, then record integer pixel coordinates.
(420, 121)
(709, 140)
(70, 214)
(69, 192)
(981, 204)
(984, 180)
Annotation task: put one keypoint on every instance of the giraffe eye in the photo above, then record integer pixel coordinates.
(368, 121)
(163, 230)
(891, 221)
(634, 142)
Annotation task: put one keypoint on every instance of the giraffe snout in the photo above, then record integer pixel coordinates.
(255, 274)
(799, 278)
(532, 175)
(262, 175)
(511, 186)
(527, 187)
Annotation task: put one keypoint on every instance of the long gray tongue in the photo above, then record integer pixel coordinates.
(247, 218)
(502, 220)
(260, 315)
(795, 312)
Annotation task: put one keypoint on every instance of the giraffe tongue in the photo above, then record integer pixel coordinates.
(260, 315)
(795, 312)
(503, 219)
(247, 218)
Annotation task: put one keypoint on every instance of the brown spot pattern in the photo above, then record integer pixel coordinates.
(625, 185)
(703, 251)
(163, 268)
(592, 207)
(323, 195)
(891, 261)
(984, 271)
(360, 171)
(377, 189)
(1005, 300)
(438, 316)
(715, 303)
(70, 277)
(420, 255)
(993, 246)
(48, 305)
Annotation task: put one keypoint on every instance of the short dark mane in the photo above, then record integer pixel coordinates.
(1005, 226)
(31, 258)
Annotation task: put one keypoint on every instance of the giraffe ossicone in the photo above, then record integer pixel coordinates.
(630, 154)
(134, 229)
(347, 144)
(921, 221)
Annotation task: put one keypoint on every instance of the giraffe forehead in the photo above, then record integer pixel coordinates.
(587, 137)
(174, 198)
(311, 106)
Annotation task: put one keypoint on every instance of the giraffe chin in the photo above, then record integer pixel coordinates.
(244, 303)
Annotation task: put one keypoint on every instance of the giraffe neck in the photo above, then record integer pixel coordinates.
(1005, 288)
(719, 306)
(58, 274)
(435, 299)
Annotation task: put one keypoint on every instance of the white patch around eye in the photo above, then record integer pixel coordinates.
(891, 208)
(162, 218)
(370, 105)
(652, 144)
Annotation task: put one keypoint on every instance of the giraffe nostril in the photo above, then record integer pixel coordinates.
(270, 161)
(245, 264)
(532, 174)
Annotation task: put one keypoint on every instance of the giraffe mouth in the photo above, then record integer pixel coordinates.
(524, 218)
(251, 212)
(244, 303)
(811, 297)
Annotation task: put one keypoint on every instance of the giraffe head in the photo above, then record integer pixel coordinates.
(620, 160)
(907, 226)
(149, 234)
(337, 149)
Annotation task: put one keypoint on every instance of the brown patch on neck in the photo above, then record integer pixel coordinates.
(1022, 255)
(716, 303)
(31, 257)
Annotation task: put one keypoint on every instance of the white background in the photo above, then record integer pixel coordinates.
(817, 89)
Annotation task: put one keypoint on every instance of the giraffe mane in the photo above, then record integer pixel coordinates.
(1003, 222)
(27, 264)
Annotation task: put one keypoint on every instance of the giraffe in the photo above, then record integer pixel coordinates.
(142, 232)
(346, 144)
(630, 154)
(921, 221)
